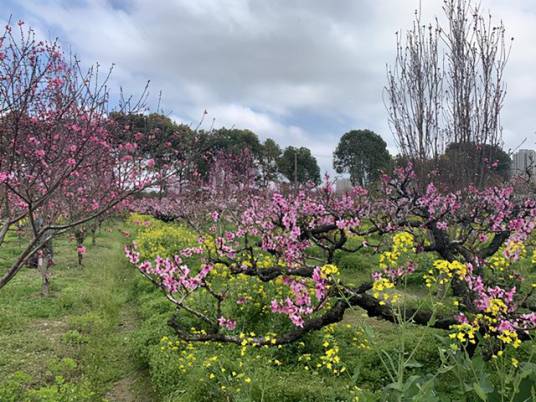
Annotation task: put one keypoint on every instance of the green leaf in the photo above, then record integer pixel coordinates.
(480, 392)
(394, 385)
(445, 369)
(527, 386)
(355, 375)
(413, 364)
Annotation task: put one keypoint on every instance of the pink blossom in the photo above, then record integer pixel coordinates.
(215, 216)
(227, 323)
(442, 225)
(4, 176)
(462, 319)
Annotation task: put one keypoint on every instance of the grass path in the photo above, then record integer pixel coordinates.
(76, 343)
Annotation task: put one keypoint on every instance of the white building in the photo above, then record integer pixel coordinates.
(524, 161)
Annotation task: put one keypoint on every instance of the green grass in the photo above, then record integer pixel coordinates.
(74, 344)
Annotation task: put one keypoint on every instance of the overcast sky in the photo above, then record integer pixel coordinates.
(302, 72)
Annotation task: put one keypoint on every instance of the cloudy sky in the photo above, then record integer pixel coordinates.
(302, 72)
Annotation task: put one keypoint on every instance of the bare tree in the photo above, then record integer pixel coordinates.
(414, 92)
(446, 86)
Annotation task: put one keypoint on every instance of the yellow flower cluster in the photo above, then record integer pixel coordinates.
(187, 356)
(163, 239)
(516, 248)
(498, 262)
(248, 339)
(305, 358)
(379, 288)
(220, 270)
(209, 243)
(513, 360)
(234, 376)
(496, 307)
(388, 259)
(329, 270)
(141, 220)
(465, 332)
(360, 340)
(210, 361)
(331, 359)
(263, 261)
(403, 243)
(443, 271)
(510, 338)
(229, 379)
(266, 261)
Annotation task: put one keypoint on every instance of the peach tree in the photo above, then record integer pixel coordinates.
(263, 272)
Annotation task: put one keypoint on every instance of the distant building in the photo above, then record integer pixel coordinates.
(524, 162)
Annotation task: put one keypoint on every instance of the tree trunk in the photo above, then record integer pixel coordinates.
(80, 256)
(80, 236)
(43, 265)
(94, 234)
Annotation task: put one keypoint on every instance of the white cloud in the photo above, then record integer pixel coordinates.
(301, 72)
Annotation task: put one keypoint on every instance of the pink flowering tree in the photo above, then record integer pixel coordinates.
(167, 146)
(230, 181)
(93, 187)
(57, 146)
(274, 254)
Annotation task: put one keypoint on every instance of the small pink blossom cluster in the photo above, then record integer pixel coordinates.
(526, 321)
(395, 273)
(297, 306)
(500, 305)
(438, 205)
(321, 284)
(484, 295)
(171, 274)
(4, 177)
(227, 323)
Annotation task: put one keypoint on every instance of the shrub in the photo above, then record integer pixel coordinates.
(158, 238)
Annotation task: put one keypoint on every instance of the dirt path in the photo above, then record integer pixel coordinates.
(134, 387)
